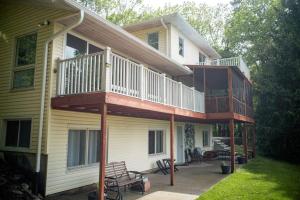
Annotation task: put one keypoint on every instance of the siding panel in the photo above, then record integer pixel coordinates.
(17, 20)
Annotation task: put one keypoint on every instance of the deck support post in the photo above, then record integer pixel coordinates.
(232, 148)
(254, 141)
(245, 142)
(103, 110)
(172, 150)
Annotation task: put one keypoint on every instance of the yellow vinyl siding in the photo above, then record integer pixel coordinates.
(143, 35)
(127, 140)
(17, 20)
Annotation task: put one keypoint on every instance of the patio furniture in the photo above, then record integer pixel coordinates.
(111, 193)
(223, 155)
(167, 164)
(162, 167)
(197, 154)
(210, 155)
(117, 176)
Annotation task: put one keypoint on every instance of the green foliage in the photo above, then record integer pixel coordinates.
(120, 12)
(260, 179)
(208, 21)
(266, 32)
(248, 31)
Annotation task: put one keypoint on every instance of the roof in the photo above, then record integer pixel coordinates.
(107, 33)
(183, 26)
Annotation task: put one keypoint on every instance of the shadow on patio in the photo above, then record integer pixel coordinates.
(190, 182)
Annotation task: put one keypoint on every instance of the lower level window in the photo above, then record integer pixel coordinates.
(156, 142)
(205, 138)
(18, 133)
(83, 147)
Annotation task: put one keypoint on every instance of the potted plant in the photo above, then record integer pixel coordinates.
(93, 195)
(225, 168)
(241, 159)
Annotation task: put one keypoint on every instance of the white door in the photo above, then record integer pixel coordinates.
(180, 147)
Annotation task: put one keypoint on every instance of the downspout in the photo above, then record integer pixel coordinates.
(167, 36)
(43, 89)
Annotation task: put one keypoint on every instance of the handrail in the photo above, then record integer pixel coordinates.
(84, 74)
(233, 61)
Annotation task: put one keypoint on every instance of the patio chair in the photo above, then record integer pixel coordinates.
(197, 155)
(162, 167)
(117, 176)
(187, 157)
(167, 164)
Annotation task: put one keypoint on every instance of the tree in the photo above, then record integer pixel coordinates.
(266, 32)
(250, 28)
(208, 21)
(120, 12)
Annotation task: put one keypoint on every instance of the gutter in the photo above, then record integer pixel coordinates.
(43, 89)
(167, 36)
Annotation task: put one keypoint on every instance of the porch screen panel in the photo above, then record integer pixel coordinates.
(94, 141)
(76, 148)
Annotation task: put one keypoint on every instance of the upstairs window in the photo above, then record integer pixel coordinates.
(156, 142)
(202, 58)
(153, 39)
(206, 138)
(18, 133)
(23, 72)
(76, 46)
(181, 46)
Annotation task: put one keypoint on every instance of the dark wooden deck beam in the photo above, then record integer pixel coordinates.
(133, 107)
(102, 154)
(172, 150)
(232, 147)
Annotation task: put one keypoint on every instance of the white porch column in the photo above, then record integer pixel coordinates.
(105, 79)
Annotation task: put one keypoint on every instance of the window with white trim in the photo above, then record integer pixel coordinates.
(202, 58)
(156, 142)
(23, 71)
(76, 46)
(205, 138)
(153, 40)
(17, 133)
(181, 46)
(83, 148)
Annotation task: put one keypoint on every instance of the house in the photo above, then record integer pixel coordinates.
(75, 88)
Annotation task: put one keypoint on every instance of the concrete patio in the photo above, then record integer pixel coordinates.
(190, 182)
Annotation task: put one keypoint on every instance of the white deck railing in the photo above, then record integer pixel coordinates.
(106, 71)
(80, 75)
(234, 61)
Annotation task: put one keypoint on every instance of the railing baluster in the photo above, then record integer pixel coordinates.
(110, 72)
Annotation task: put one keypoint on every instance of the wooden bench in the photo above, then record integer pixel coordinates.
(117, 176)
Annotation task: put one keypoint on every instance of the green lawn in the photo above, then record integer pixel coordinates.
(260, 179)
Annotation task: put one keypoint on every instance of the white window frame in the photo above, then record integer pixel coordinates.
(156, 32)
(203, 56)
(16, 68)
(5, 128)
(164, 142)
(88, 42)
(208, 138)
(86, 157)
(181, 38)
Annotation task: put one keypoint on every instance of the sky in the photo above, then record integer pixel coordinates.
(159, 3)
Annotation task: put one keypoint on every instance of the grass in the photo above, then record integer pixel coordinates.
(260, 179)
